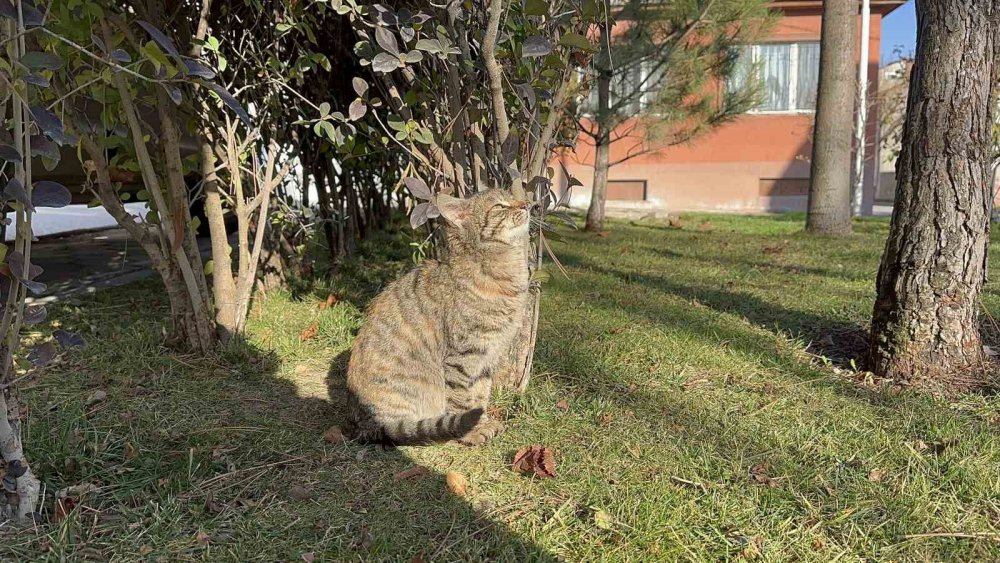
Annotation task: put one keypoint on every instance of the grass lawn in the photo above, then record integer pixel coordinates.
(676, 381)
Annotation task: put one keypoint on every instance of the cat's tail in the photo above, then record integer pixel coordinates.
(437, 429)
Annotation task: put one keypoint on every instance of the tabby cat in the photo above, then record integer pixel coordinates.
(422, 363)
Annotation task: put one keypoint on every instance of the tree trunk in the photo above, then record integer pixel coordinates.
(223, 284)
(830, 178)
(602, 155)
(925, 325)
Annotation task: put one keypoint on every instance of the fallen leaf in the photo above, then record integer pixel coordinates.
(309, 557)
(562, 405)
(536, 459)
(411, 472)
(310, 332)
(456, 482)
(298, 492)
(78, 491)
(876, 475)
(604, 233)
(919, 445)
(602, 519)
(98, 396)
(211, 506)
(163, 482)
(201, 538)
(334, 435)
(605, 419)
(130, 451)
(62, 508)
(418, 558)
(145, 549)
(331, 300)
(940, 447)
(759, 474)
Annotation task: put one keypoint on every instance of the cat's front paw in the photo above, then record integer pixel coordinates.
(482, 433)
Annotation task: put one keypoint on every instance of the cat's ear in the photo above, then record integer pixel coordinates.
(455, 210)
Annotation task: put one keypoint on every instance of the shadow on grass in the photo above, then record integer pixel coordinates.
(222, 458)
(839, 342)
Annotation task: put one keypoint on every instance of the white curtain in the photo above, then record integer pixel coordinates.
(808, 76)
(774, 67)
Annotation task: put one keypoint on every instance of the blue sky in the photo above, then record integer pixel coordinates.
(899, 31)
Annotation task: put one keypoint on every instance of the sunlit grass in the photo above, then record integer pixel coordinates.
(693, 417)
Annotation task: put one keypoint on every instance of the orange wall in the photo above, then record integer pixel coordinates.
(721, 169)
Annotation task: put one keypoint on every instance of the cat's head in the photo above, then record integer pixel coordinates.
(492, 217)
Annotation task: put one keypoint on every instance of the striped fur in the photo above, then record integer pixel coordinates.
(421, 367)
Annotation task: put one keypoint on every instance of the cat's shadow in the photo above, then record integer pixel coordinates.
(336, 387)
(447, 511)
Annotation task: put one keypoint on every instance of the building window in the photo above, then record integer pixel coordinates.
(788, 74)
(631, 91)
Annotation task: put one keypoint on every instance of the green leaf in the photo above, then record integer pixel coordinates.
(209, 267)
(424, 136)
(324, 109)
(536, 8)
(432, 46)
(384, 62)
(36, 60)
(536, 46)
(283, 27)
(576, 41)
(357, 109)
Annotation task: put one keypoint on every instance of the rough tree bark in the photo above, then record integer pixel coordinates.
(925, 326)
(830, 178)
(602, 156)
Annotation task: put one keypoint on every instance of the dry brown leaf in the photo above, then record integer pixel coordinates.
(604, 233)
(876, 475)
(331, 300)
(605, 419)
(309, 557)
(536, 459)
(62, 508)
(759, 474)
(146, 549)
(334, 435)
(562, 405)
(163, 482)
(310, 332)
(130, 451)
(411, 472)
(456, 482)
(201, 538)
(77, 491)
(418, 558)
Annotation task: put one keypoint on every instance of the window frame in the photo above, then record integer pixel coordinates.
(793, 76)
